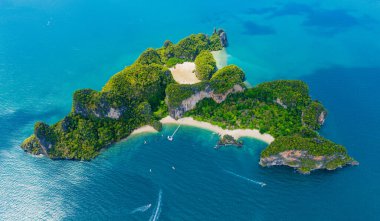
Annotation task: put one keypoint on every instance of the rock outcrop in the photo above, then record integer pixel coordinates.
(222, 36)
(227, 140)
(191, 102)
(322, 118)
(279, 102)
(86, 105)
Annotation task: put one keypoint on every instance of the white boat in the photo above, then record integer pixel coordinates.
(170, 138)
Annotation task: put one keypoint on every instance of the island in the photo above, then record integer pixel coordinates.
(184, 81)
(228, 140)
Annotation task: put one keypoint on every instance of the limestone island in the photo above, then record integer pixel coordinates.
(185, 81)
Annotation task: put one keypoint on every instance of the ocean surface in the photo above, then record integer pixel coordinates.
(50, 48)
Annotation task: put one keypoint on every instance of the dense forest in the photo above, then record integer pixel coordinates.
(145, 92)
(130, 99)
(283, 109)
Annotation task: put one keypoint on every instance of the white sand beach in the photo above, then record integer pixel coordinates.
(143, 129)
(185, 73)
(189, 121)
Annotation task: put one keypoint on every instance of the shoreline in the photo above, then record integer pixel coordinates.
(221, 58)
(143, 129)
(237, 133)
(189, 121)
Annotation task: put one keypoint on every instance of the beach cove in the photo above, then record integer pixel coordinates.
(189, 121)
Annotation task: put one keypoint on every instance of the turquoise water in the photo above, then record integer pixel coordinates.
(48, 49)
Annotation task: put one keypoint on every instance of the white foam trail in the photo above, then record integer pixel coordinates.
(245, 178)
(171, 137)
(141, 209)
(157, 211)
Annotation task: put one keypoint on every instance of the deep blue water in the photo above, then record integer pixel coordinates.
(48, 49)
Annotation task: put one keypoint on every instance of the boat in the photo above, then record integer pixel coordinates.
(170, 138)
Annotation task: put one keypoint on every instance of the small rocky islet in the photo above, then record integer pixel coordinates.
(228, 140)
(145, 92)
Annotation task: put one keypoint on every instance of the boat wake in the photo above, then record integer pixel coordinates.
(141, 209)
(157, 210)
(262, 184)
(170, 138)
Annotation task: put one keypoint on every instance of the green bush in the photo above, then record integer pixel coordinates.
(311, 115)
(317, 146)
(171, 62)
(150, 56)
(176, 93)
(137, 93)
(205, 65)
(225, 78)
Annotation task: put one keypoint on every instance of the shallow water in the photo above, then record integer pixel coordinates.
(48, 49)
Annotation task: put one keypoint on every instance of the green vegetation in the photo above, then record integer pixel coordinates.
(171, 62)
(205, 65)
(145, 92)
(339, 162)
(150, 56)
(254, 108)
(215, 44)
(139, 82)
(229, 140)
(176, 93)
(32, 145)
(225, 78)
(131, 98)
(281, 108)
(311, 114)
(317, 146)
(314, 151)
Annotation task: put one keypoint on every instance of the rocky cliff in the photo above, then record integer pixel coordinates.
(305, 154)
(305, 162)
(191, 102)
(222, 36)
(91, 103)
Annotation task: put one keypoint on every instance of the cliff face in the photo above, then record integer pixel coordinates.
(222, 36)
(103, 110)
(305, 162)
(90, 103)
(322, 118)
(314, 115)
(191, 102)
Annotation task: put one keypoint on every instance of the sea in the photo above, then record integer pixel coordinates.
(50, 48)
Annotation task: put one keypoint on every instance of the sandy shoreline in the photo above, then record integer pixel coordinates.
(189, 121)
(220, 57)
(143, 129)
(238, 133)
